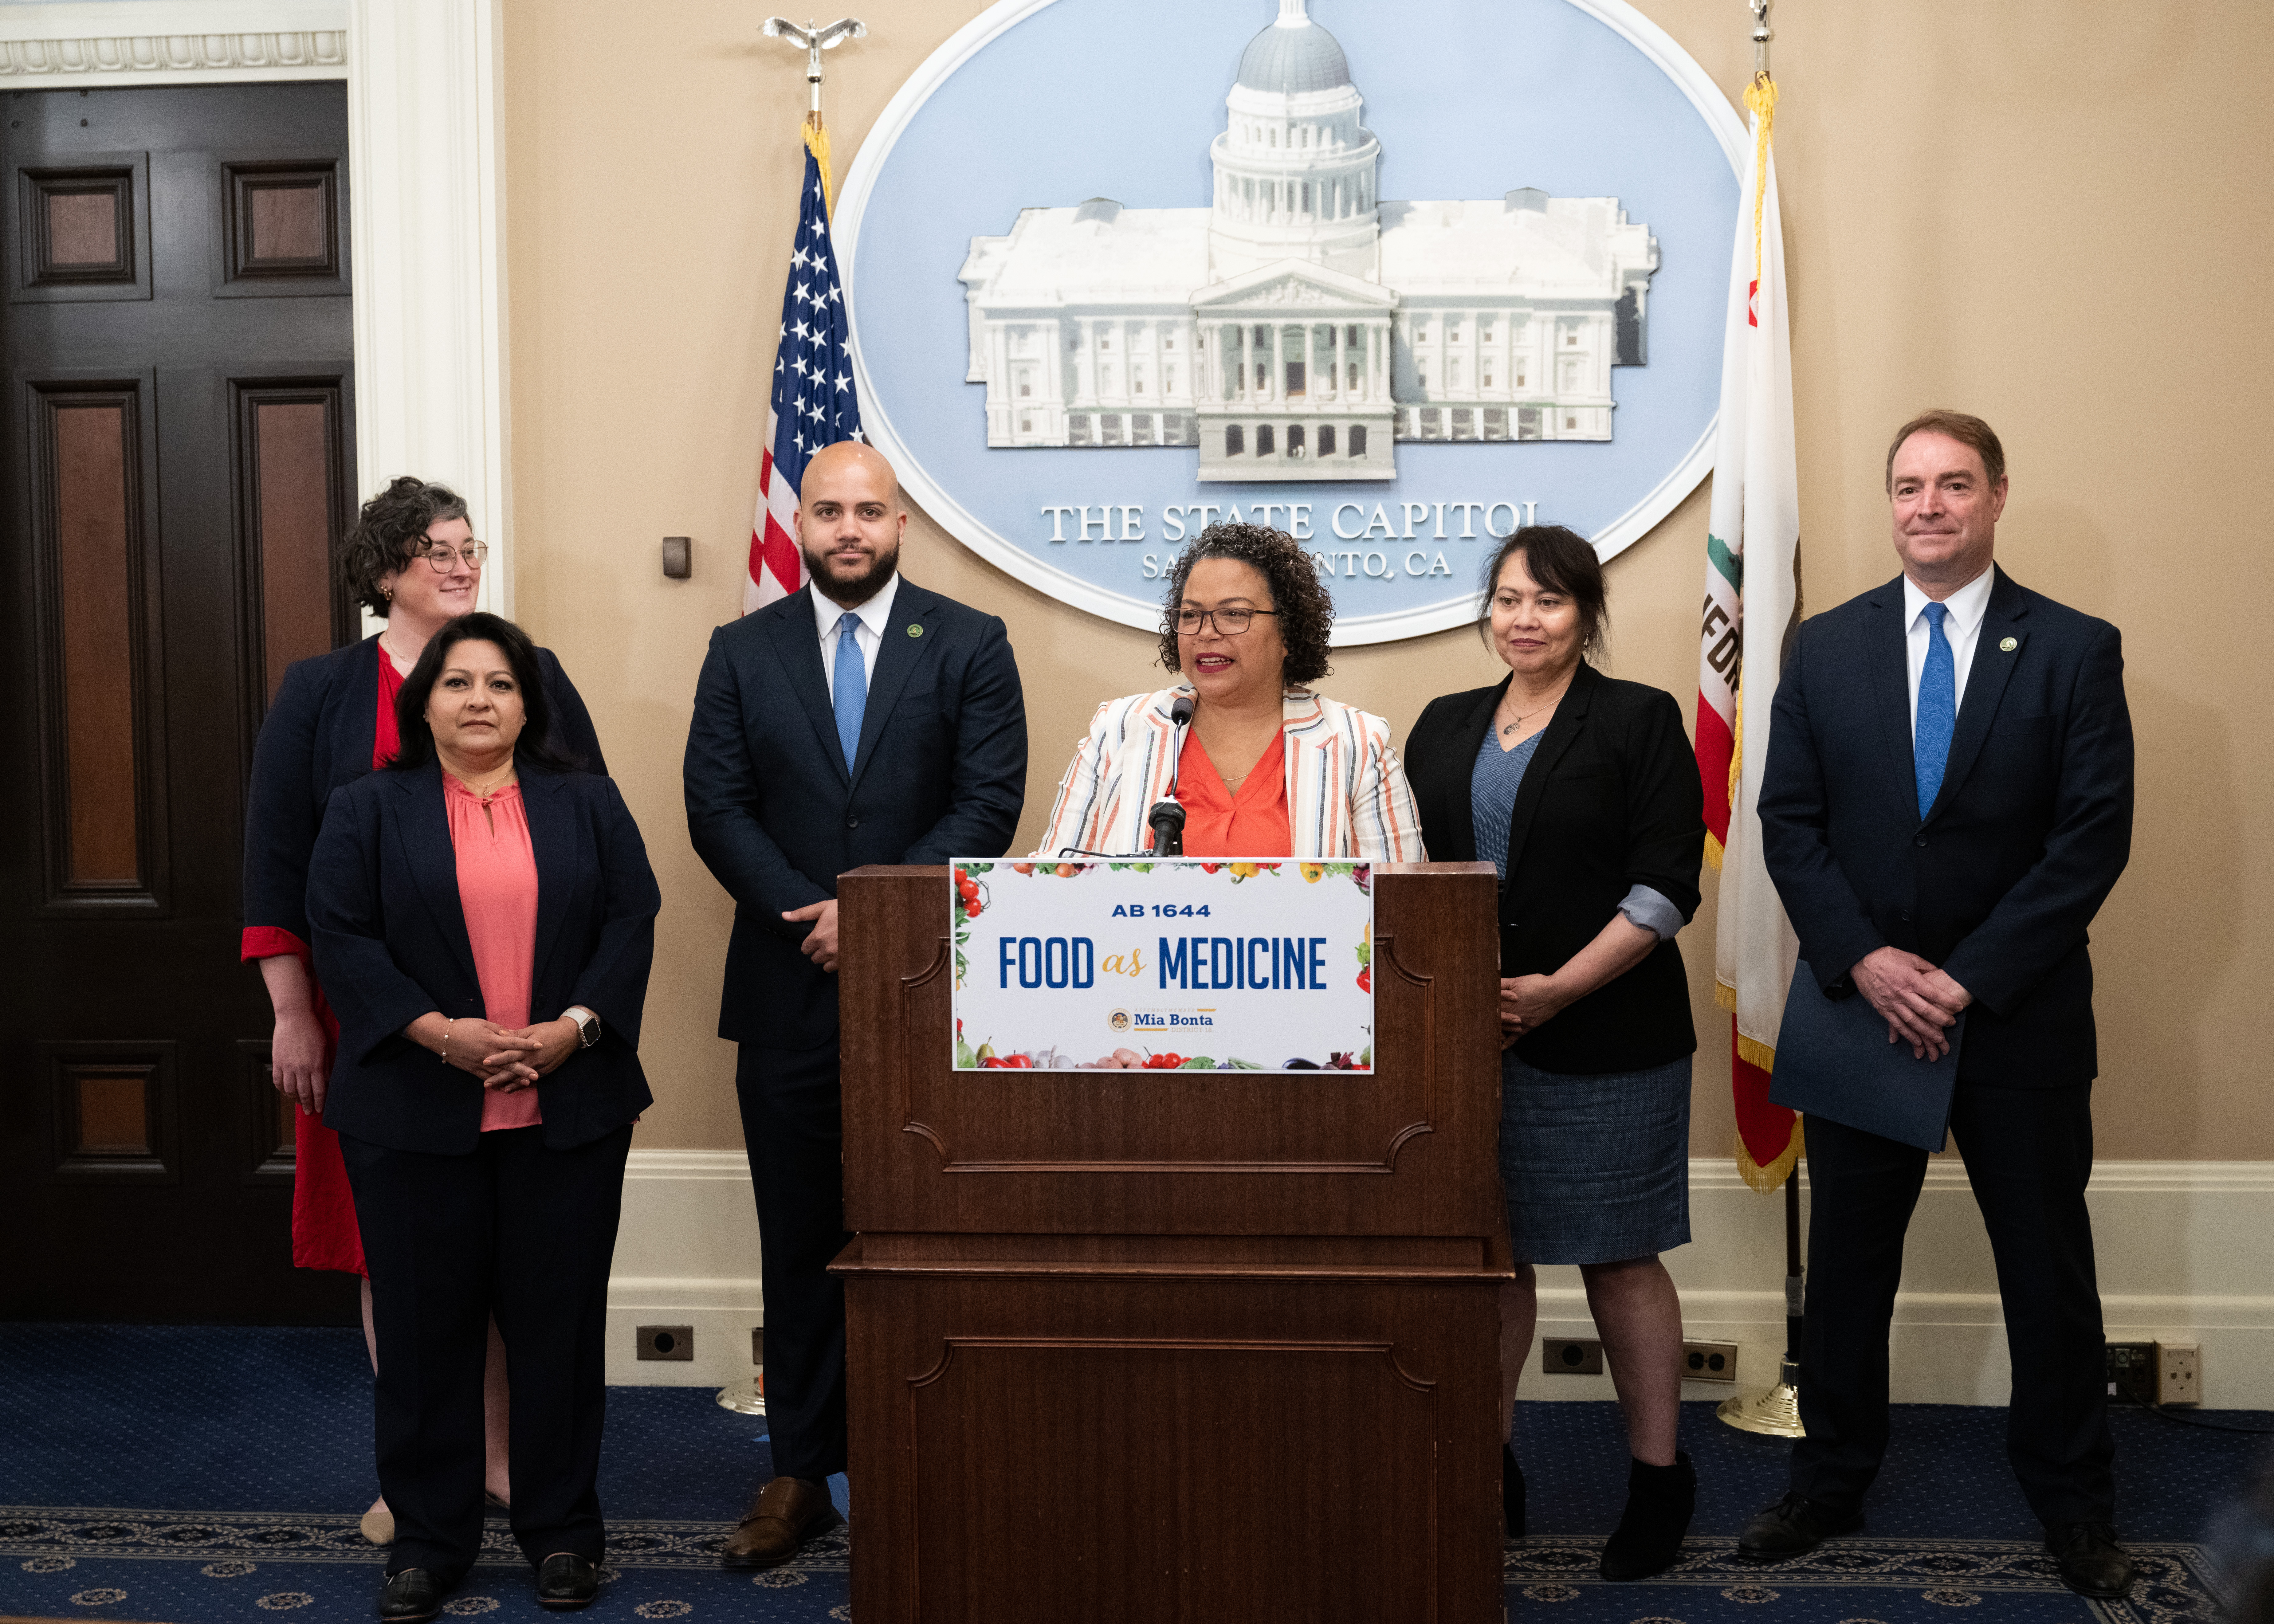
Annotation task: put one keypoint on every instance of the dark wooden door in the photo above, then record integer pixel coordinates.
(176, 425)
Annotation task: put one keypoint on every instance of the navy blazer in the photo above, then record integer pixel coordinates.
(319, 736)
(1610, 800)
(940, 772)
(2033, 823)
(390, 946)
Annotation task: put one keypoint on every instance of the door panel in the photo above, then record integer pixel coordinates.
(177, 425)
(81, 229)
(289, 446)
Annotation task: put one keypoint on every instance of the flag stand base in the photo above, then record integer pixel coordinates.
(1776, 1412)
(744, 1398)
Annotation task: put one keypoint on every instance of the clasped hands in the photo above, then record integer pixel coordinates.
(505, 1058)
(1526, 1003)
(1919, 1001)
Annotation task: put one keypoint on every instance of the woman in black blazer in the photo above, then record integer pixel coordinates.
(412, 559)
(484, 919)
(1584, 792)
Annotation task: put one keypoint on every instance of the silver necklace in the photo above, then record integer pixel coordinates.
(1509, 727)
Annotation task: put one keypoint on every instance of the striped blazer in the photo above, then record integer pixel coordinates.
(1347, 798)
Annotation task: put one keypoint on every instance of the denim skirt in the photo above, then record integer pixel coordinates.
(1595, 1165)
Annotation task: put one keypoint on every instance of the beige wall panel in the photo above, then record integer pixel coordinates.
(2042, 211)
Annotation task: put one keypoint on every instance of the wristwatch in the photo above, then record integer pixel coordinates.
(588, 1024)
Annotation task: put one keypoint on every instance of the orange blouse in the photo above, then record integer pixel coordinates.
(1252, 823)
(497, 890)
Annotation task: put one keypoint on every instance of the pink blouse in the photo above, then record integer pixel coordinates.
(497, 889)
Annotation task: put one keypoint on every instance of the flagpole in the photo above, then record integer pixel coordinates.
(1777, 1411)
(748, 1396)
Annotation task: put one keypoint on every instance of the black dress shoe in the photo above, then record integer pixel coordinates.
(2091, 1562)
(1660, 1502)
(409, 1596)
(1511, 1493)
(1793, 1527)
(567, 1580)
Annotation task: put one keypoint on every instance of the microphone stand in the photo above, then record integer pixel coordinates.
(1167, 817)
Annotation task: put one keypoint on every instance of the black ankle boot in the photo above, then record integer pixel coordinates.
(1511, 1493)
(1659, 1501)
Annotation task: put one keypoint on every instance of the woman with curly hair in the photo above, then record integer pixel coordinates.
(1267, 768)
(412, 559)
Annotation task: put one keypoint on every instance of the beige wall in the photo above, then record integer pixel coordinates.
(2045, 211)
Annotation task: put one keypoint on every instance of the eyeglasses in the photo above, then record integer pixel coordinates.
(444, 559)
(1230, 622)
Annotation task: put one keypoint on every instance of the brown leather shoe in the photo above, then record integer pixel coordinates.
(786, 1513)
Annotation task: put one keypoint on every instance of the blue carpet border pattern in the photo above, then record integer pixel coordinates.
(1912, 1577)
(118, 1533)
(2178, 1581)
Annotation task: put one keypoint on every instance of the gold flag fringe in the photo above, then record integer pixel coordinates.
(1760, 100)
(1713, 851)
(1754, 1052)
(816, 142)
(1768, 1180)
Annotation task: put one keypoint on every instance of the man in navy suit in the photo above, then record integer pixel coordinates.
(1946, 803)
(859, 720)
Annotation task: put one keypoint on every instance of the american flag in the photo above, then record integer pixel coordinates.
(815, 403)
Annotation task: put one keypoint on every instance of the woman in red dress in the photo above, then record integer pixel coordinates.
(412, 558)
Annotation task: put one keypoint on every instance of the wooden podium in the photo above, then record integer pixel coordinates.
(1155, 1345)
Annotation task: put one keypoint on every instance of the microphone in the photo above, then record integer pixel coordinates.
(1167, 817)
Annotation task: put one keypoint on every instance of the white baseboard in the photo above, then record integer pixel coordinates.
(686, 1253)
(2181, 1250)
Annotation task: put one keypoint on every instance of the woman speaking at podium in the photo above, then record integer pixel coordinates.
(1583, 791)
(1261, 766)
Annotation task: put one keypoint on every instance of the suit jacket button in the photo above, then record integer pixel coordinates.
(1904, 917)
(1920, 841)
(855, 822)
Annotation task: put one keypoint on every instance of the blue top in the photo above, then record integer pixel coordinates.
(1492, 784)
(1492, 793)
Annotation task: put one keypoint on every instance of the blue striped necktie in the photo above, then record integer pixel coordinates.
(849, 695)
(1938, 710)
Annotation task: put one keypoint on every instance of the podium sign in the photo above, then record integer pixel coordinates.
(1178, 964)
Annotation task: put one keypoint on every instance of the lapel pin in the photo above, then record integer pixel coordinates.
(2007, 647)
(917, 631)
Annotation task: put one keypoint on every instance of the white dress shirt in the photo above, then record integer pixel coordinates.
(875, 616)
(1961, 625)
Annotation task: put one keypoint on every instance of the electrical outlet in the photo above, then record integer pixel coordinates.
(1709, 1361)
(2179, 1373)
(1570, 1356)
(2132, 1371)
(664, 1341)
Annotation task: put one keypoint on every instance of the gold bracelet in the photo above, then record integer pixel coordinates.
(446, 1038)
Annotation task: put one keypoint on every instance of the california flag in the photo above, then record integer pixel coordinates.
(1752, 603)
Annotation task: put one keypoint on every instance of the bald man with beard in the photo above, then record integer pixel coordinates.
(862, 720)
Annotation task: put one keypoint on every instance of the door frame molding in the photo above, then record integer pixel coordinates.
(425, 83)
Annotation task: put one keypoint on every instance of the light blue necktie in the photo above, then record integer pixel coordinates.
(1938, 710)
(849, 695)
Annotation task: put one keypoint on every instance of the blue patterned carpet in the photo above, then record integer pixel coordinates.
(185, 1476)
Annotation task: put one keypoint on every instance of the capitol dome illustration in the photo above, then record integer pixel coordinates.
(1292, 56)
(1299, 327)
